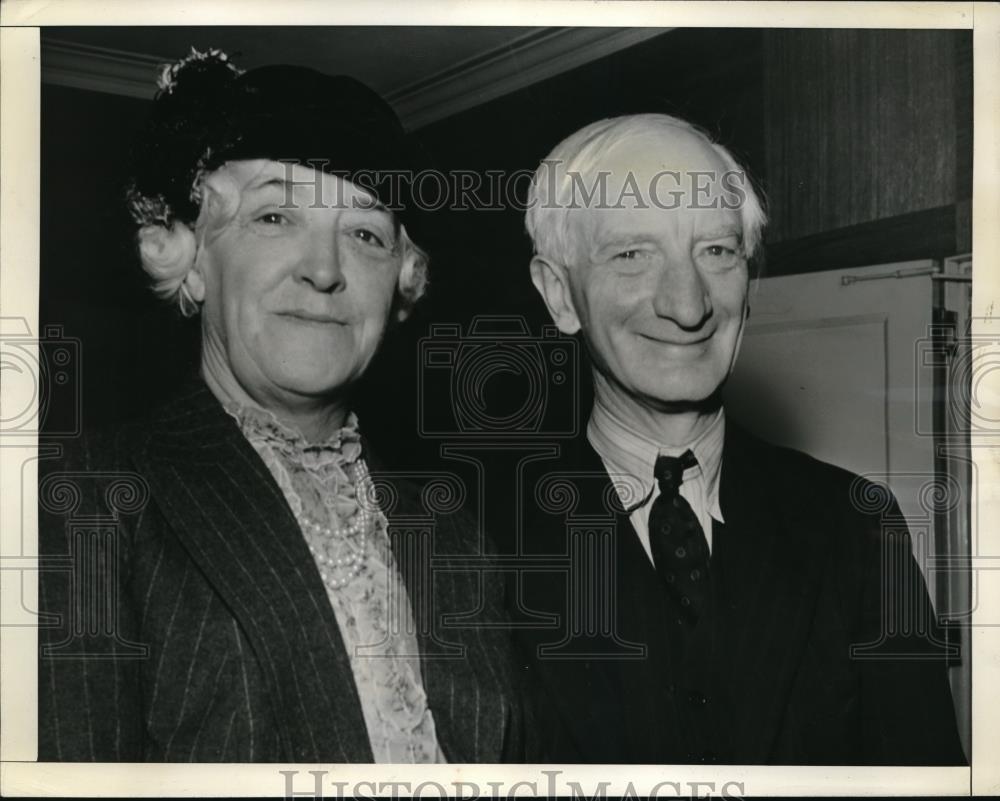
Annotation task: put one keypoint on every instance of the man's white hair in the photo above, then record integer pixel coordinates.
(551, 194)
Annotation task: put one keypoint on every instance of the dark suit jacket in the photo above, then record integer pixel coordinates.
(183, 618)
(790, 664)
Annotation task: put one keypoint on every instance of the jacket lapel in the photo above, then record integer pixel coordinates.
(231, 517)
(640, 621)
(765, 579)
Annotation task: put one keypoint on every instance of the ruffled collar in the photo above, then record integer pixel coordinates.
(341, 449)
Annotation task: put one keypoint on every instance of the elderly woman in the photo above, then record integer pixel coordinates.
(231, 579)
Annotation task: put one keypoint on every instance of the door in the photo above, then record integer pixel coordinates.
(852, 367)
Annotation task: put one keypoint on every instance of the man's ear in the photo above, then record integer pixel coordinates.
(552, 282)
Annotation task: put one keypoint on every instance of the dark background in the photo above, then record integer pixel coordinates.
(860, 140)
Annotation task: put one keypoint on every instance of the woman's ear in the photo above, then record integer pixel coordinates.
(552, 282)
(168, 255)
(194, 283)
(194, 278)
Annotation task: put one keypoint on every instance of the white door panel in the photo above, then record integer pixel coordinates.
(831, 368)
(843, 369)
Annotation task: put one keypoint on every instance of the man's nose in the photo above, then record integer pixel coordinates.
(321, 266)
(681, 294)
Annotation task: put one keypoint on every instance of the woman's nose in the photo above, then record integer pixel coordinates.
(321, 266)
(681, 294)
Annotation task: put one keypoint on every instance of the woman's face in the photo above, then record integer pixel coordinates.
(297, 283)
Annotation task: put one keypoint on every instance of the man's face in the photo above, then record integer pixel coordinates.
(660, 293)
(299, 283)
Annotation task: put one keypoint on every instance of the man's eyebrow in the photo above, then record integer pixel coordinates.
(723, 231)
(621, 240)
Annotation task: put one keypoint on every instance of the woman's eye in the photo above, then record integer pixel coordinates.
(272, 218)
(719, 250)
(370, 237)
(628, 255)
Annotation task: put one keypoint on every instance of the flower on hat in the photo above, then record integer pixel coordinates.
(167, 78)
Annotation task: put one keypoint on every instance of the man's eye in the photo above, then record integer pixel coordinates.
(628, 255)
(719, 256)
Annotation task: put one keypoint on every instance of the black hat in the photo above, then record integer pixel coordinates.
(207, 113)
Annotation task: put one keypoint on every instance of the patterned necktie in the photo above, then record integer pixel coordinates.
(680, 550)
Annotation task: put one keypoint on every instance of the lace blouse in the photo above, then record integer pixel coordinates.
(350, 544)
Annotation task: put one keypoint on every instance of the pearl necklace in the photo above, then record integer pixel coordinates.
(333, 541)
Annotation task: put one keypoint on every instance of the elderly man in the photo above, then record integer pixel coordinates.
(733, 611)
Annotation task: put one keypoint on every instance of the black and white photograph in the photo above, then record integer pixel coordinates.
(602, 403)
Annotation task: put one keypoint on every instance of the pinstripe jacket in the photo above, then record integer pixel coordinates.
(182, 617)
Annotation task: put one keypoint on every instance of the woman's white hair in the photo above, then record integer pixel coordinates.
(169, 250)
(551, 194)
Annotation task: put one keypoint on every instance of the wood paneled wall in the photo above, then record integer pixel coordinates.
(860, 125)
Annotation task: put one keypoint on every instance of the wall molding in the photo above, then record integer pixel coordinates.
(99, 69)
(929, 233)
(538, 54)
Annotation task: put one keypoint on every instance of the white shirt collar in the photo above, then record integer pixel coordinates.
(631, 456)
